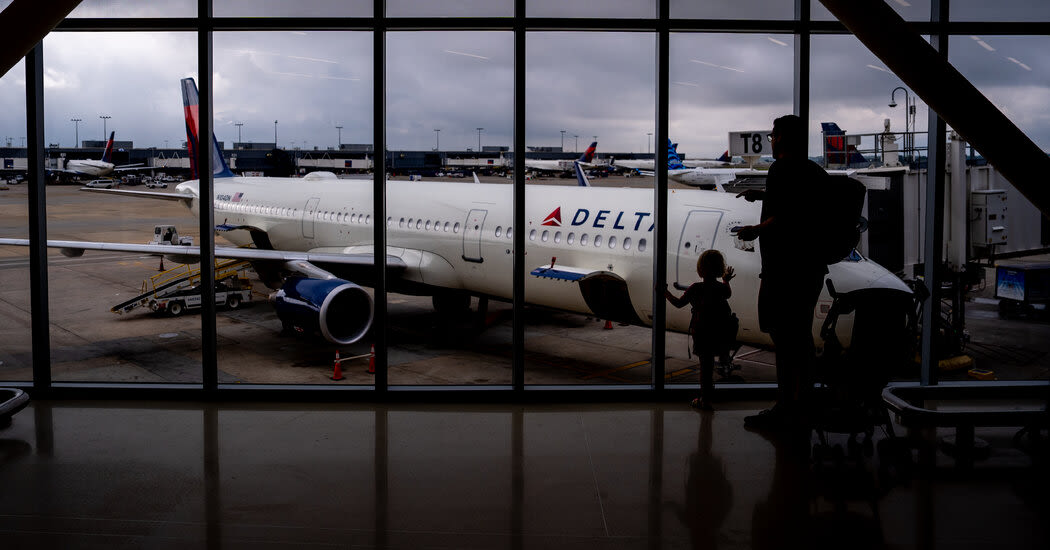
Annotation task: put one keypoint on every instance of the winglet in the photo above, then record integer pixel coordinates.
(581, 178)
(190, 104)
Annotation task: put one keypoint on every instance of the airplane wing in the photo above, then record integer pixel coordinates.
(76, 248)
(141, 194)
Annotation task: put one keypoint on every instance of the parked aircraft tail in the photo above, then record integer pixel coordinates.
(107, 155)
(674, 162)
(588, 155)
(190, 103)
(836, 148)
(725, 157)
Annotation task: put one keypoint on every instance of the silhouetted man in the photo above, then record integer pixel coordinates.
(792, 269)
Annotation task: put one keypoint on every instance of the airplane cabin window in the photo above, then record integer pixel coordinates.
(612, 242)
(368, 219)
(627, 243)
(532, 235)
(428, 225)
(410, 223)
(510, 231)
(557, 237)
(446, 227)
(499, 231)
(543, 237)
(419, 224)
(597, 240)
(571, 238)
(455, 228)
(641, 245)
(584, 239)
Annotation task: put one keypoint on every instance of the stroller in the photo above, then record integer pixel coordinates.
(849, 398)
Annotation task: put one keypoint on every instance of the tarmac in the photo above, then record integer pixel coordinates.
(91, 344)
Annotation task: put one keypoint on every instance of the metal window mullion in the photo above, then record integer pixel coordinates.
(205, 109)
(379, 320)
(934, 215)
(518, 275)
(38, 295)
(803, 50)
(663, 81)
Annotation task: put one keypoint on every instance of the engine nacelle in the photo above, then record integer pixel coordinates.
(339, 310)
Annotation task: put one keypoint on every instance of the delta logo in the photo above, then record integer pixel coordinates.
(602, 219)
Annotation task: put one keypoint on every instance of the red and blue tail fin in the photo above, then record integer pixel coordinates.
(836, 148)
(190, 104)
(588, 155)
(107, 155)
(725, 157)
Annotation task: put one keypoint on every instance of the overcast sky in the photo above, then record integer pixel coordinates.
(588, 84)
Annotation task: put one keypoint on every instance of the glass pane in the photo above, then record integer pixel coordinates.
(1009, 10)
(296, 109)
(593, 331)
(910, 10)
(722, 85)
(450, 8)
(135, 8)
(733, 9)
(449, 118)
(97, 86)
(553, 8)
(16, 352)
(297, 8)
(860, 119)
(1004, 314)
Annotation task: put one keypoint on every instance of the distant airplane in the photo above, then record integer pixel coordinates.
(674, 161)
(98, 168)
(590, 249)
(555, 166)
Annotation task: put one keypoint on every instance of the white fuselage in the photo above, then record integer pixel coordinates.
(458, 236)
(89, 167)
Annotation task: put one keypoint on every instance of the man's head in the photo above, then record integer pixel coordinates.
(788, 137)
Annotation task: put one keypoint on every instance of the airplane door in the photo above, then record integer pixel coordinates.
(698, 234)
(472, 227)
(308, 217)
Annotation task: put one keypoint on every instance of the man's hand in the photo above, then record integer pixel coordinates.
(752, 195)
(747, 233)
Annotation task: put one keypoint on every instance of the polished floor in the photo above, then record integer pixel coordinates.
(88, 474)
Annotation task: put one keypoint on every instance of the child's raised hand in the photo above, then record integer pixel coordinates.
(730, 273)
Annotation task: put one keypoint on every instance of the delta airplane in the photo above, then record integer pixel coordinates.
(98, 168)
(566, 166)
(590, 248)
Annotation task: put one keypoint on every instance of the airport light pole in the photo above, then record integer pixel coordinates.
(437, 139)
(479, 140)
(907, 104)
(76, 131)
(339, 142)
(238, 125)
(104, 119)
(275, 134)
(649, 142)
(562, 140)
(576, 147)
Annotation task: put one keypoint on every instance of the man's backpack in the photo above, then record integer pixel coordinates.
(840, 202)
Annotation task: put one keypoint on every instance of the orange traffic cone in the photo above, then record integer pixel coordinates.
(337, 372)
(608, 325)
(372, 360)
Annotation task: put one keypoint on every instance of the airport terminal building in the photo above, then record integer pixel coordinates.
(439, 346)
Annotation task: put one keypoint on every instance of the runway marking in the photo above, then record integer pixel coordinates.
(679, 372)
(617, 369)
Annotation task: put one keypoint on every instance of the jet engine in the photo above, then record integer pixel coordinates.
(338, 310)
